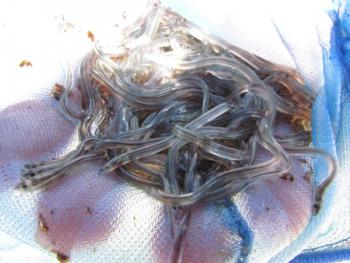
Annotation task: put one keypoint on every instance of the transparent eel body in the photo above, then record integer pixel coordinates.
(181, 115)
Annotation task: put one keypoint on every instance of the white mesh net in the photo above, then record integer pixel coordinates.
(103, 219)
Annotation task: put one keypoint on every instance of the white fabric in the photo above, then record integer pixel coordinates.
(285, 32)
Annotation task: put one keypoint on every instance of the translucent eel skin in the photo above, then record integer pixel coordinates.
(182, 117)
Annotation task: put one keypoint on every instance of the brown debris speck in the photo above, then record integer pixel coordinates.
(42, 224)
(25, 63)
(104, 91)
(83, 103)
(88, 210)
(141, 77)
(304, 161)
(284, 177)
(57, 91)
(287, 177)
(62, 258)
(307, 177)
(91, 36)
(119, 58)
(167, 49)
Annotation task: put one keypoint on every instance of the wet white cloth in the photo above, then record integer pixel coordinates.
(286, 32)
